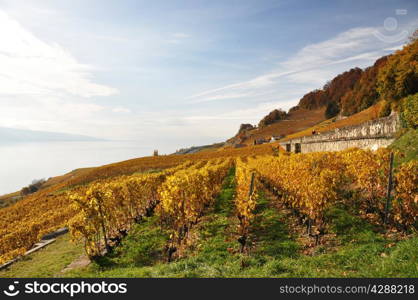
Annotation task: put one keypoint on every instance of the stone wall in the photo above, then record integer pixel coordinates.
(372, 135)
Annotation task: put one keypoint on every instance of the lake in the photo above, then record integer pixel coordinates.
(21, 163)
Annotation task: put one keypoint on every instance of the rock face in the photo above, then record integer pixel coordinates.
(242, 134)
(369, 135)
(245, 127)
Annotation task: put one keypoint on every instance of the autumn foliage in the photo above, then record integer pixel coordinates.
(391, 78)
(399, 77)
(332, 91)
(364, 92)
(273, 116)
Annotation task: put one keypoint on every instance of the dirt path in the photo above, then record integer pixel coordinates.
(80, 262)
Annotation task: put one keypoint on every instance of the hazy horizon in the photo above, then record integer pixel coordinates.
(23, 162)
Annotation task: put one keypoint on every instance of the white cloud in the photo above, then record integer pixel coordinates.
(120, 109)
(314, 77)
(47, 113)
(310, 67)
(399, 47)
(356, 40)
(32, 66)
(241, 89)
(252, 114)
(44, 87)
(221, 97)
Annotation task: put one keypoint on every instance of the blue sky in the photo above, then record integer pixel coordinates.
(180, 73)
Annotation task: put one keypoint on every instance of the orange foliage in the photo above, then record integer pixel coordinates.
(333, 91)
(364, 93)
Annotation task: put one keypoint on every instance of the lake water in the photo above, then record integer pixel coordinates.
(21, 163)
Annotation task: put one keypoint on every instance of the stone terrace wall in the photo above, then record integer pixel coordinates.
(372, 134)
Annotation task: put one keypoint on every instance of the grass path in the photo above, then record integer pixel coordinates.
(48, 261)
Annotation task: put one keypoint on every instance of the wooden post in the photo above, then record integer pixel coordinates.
(251, 184)
(276, 151)
(243, 228)
(309, 226)
(108, 249)
(389, 188)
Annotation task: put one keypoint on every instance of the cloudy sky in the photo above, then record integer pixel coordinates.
(187, 72)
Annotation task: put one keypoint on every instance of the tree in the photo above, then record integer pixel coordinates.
(385, 110)
(364, 93)
(273, 116)
(313, 100)
(333, 90)
(414, 36)
(399, 77)
(409, 111)
(332, 110)
(35, 186)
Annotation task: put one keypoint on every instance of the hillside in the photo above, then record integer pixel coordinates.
(368, 114)
(358, 94)
(336, 97)
(9, 199)
(295, 121)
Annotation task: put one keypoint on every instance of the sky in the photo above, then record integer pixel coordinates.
(180, 73)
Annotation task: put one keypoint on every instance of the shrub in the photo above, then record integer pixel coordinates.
(332, 110)
(35, 186)
(409, 112)
(385, 109)
(399, 77)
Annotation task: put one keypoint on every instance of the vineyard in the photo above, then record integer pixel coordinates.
(24, 223)
(179, 199)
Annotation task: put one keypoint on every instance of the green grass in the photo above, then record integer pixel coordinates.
(361, 259)
(407, 144)
(363, 252)
(47, 262)
(359, 249)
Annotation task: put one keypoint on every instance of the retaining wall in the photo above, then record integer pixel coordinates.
(369, 135)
